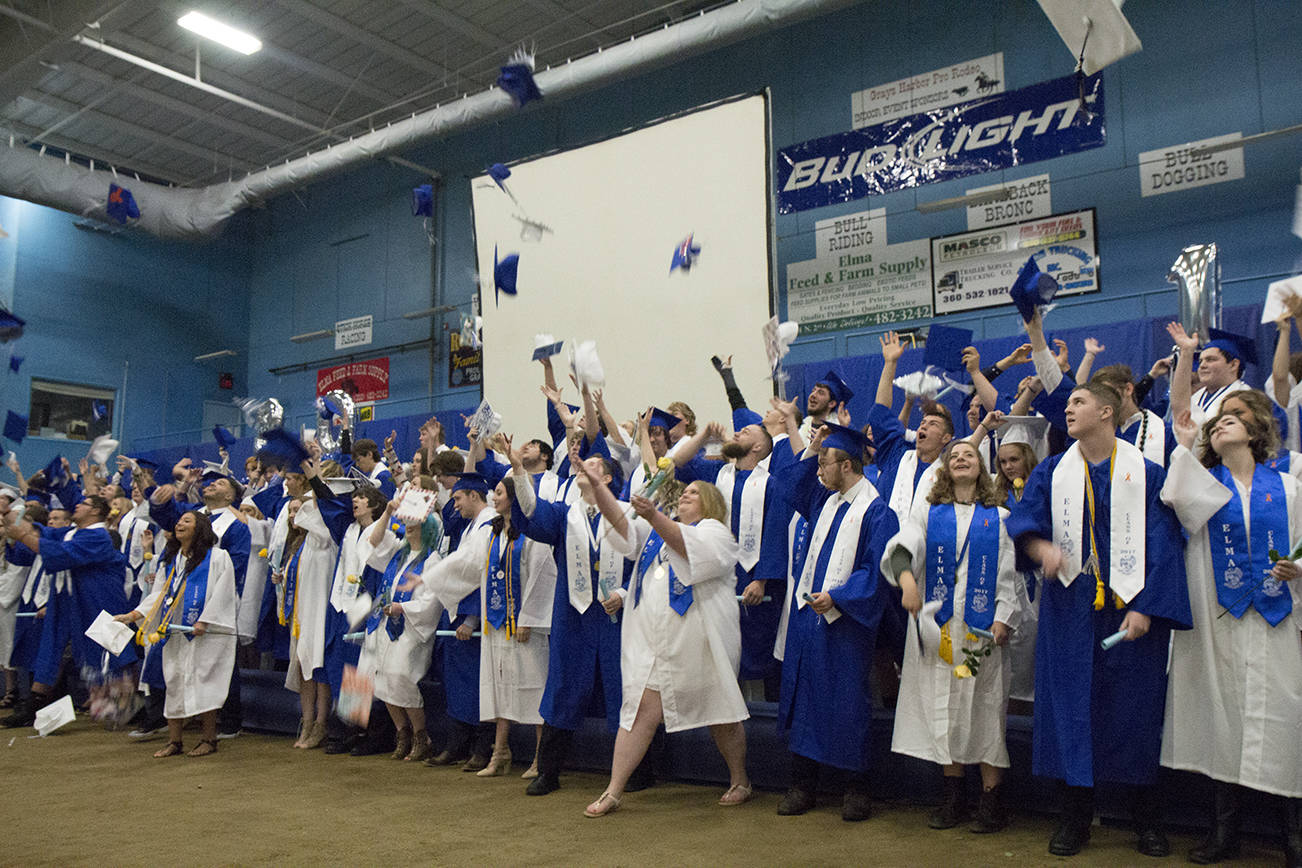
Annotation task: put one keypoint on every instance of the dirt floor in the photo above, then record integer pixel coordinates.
(85, 796)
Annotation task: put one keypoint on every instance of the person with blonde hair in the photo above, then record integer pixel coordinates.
(680, 647)
(953, 556)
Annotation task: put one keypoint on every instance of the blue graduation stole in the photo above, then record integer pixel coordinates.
(192, 587)
(1280, 462)
(1232, 550)
(504, 583)
(980, 546)
(680, 596)
(389, 591)
(289, 604)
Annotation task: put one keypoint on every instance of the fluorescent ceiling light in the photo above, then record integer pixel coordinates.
(970, 200)
(429, 311)
(209, 28)
(217, 355)
(312, 336)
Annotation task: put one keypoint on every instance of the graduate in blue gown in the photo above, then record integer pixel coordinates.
(1098, 714)
(833, 611)
(585, 635)
(96, 570)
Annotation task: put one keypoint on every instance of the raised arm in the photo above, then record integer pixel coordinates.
(1026, 392)
(984, 390)
(905, 412)
(591, 425)
(1092, 350)
(1046, 365)
(1279, 364)
(1181, 393)
(613, 431)
(891, 352)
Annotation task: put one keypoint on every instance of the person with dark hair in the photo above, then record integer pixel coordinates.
(590, 571)
(1092, 520)
(1141, 428)
(904, 473)
(830, 623)
(95, 570)
(366, 458)
(954, 557)
(196, 592)
(1235, 696)
(516, 578)
(220, 492)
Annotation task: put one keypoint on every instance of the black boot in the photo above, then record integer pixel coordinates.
(1223, 841)
(1147, 812)
(1293, 833)
(553, 748)
(25, 711)
(991, 816)
(1073, 830)
(953, 804)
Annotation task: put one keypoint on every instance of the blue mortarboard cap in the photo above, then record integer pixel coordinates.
(685, 255)
(121, 204)
(54, 470)
(422, 201)
(744, 416)
(11, 327)
(472, 482)
(98, 410)
(15, 426)
(662, 419)
(945, 347)
(282, 449)
(841, 393)
(1031, 289)
(499, 173)
(15, 362)
(504, 273)
(225, 439)
(41, 497)
(517, 79)
(1233, 346)
(147, 464)
(848, 440)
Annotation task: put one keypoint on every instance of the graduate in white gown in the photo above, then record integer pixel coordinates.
(1235, 694)
(517, 578)
(400, 632)
(680, 648)
(954, 553)
(198, 592)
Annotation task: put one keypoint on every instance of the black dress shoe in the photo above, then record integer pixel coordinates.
(1213, 850)
(476, 763)
(340, 745)
(542, 785)
(795, 803)
(855, 807)
(1069, 838)
(24, 714)
(1152, 842)
(443, 758)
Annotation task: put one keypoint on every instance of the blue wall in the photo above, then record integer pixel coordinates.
(349, 245)
(1230, 67)
(100, 307)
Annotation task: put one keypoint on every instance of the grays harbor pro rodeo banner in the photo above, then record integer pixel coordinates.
(1045, 120)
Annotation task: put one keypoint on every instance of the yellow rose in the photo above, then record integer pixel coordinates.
(664, 463)
(971, 637)
(1019, 483)
(149, 556)
(262, 553)
(962, 671)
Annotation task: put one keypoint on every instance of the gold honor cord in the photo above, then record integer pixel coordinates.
(146, 636)
(1093, 565)
(505, 558)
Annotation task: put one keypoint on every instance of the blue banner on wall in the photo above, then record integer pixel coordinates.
(1045, 120)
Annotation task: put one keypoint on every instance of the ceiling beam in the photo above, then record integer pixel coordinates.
(454, 22)
(145, 133)
(364, 37)
(107, 157)
(42, 38)
(172, 104)
(211, 75)
(559, 13)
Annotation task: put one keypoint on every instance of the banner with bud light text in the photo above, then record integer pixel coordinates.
(364, 381)
(1045, 120)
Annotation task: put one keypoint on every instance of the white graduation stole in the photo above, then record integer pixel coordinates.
(348, 569)
(1150, 439)
(845, 546)
(579, 543)
(221, 521)
(903, 492)
(752, 509)
(1127, 499)
(37, 588)
(548, 483)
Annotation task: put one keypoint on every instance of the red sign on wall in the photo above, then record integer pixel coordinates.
(364, 381)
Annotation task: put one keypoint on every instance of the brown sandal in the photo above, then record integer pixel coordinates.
(174, 748)
(205, 747)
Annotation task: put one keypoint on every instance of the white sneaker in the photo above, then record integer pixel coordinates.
(224, 735)
(146, 731)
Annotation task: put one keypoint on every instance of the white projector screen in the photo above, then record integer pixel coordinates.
(617, 209)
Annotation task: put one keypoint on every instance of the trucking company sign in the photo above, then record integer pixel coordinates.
(1035, 123)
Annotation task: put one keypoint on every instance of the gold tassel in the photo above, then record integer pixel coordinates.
(946, 652)
(1098, 594)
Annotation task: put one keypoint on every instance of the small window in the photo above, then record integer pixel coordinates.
(70, 410)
